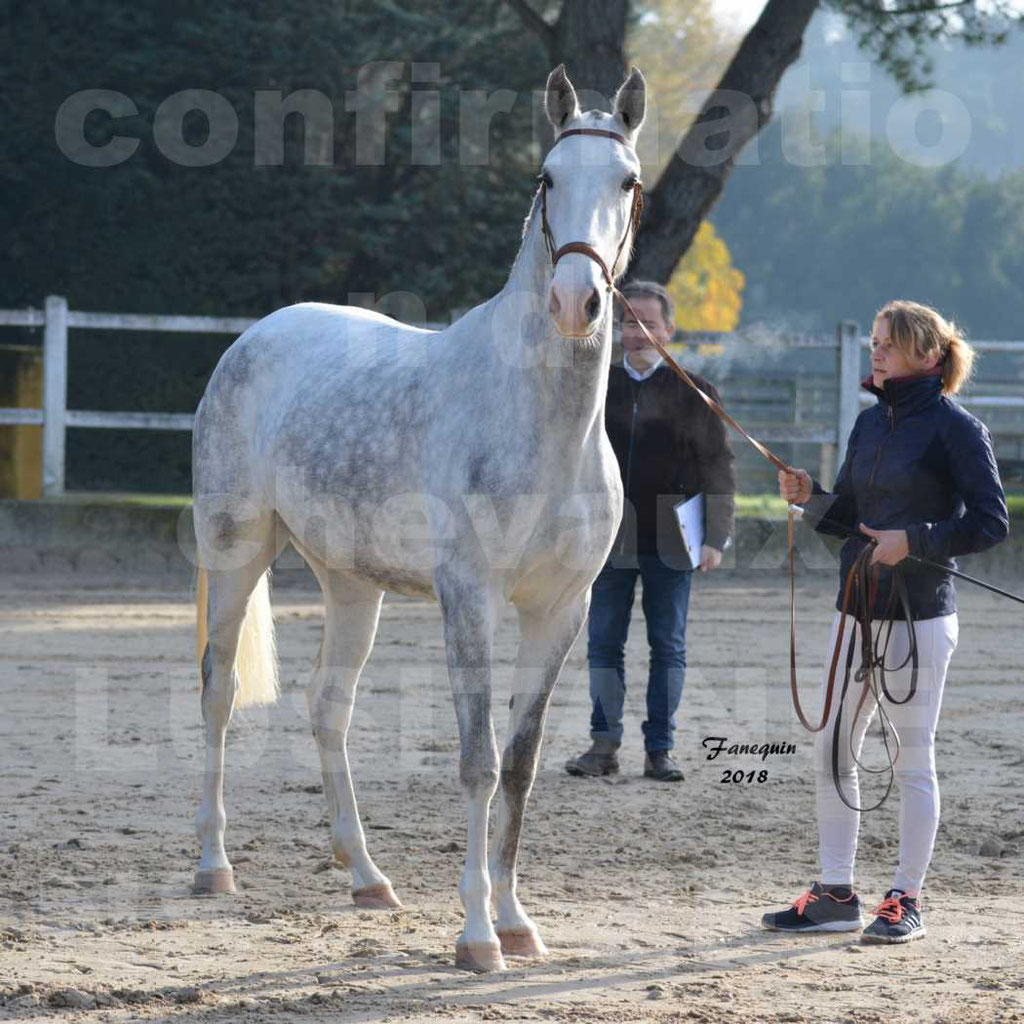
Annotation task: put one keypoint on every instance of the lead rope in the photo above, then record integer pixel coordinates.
(556, 253)
(781, 465)
(861, 585)
(864, 578)
(862, 574)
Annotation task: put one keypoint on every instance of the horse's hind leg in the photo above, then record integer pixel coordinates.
(545, 640)
(227, 597)
(352, 609)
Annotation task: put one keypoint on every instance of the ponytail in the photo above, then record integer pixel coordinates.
(957, 364)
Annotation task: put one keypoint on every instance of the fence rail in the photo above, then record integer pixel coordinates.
(54, 417)
(22, 318)
(150, 322)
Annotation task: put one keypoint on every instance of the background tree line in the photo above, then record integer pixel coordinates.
(238, 239)
(819, 244)
(801, 246)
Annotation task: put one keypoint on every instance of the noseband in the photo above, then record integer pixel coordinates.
(582, 247)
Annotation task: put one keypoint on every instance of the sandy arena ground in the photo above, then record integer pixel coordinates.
(649, 895)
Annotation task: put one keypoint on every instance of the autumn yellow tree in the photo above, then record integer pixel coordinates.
(706, 288)
(683, 51)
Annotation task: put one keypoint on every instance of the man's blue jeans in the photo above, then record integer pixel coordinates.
(666, 596)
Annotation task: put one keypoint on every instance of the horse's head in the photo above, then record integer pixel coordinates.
(589, 194)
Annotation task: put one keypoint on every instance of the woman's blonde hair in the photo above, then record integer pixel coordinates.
(919, 332)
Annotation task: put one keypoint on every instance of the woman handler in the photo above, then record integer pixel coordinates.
(919, 478)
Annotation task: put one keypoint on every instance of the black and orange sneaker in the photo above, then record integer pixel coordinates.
(835, 909)
(898, 920)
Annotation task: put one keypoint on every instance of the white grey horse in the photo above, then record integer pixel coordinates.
(469, 464)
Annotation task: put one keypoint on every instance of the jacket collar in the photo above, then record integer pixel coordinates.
(639, 375)
(910, 393)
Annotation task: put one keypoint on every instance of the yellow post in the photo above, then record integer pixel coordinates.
(21, 445)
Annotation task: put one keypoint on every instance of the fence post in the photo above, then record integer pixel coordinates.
(848, 334)
(55, 393)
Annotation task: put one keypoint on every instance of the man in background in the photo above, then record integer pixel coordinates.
(669, 446)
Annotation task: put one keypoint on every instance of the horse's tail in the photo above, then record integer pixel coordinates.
(256, 656)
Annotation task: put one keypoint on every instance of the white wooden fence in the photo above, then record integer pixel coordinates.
(54, 417)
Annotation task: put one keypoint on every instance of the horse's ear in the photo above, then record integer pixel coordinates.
(630, 104)
(560, 98)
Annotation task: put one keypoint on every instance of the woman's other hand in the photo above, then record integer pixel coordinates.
(795, 487)
(891, 546)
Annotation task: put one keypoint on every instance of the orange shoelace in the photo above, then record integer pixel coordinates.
(801, 901)
(811, 897)
(891, 909)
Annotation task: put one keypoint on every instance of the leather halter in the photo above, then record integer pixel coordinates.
(584, 248)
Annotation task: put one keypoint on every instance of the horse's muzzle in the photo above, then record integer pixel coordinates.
(576, 310)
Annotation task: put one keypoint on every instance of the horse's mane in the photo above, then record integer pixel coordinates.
(529, 216)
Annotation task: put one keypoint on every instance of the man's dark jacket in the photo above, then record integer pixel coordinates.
(918, 462)
(670, 446)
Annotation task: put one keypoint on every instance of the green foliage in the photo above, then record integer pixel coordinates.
(236, 238)
(902, 33)
(988, 81)
(240, 239)
(824, 243)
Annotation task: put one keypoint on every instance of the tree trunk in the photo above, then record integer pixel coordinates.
(589, 37)
(740, 107)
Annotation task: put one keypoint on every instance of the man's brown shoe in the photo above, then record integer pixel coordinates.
(660, 765)
(601, 759)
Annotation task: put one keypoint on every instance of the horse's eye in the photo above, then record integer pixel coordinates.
(630, 182)
(545, 179)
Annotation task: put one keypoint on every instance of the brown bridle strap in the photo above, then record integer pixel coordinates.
(636, 209)
(593, 131)
(588, 250)
(607, 272)
(585, 249)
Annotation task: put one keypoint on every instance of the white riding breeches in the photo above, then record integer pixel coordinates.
(915, 724)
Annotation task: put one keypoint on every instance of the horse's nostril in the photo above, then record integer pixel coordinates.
(593, 306)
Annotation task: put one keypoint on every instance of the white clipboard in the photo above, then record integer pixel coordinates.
(690, 518)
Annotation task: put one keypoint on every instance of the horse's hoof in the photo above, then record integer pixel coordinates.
(376, 897)
(522, 942)
(211, 881)
(478, 956)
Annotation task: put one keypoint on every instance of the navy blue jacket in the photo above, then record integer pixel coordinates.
(916, 461)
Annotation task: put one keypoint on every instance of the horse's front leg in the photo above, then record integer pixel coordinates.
(545, 641)
(470, 617)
